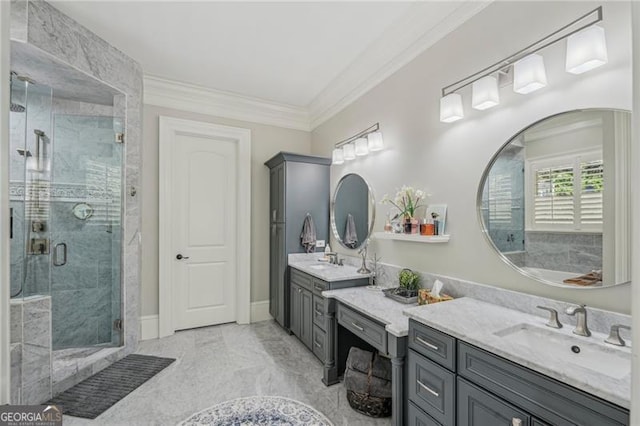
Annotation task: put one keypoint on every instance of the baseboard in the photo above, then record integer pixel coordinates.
(260, 311)
(149, 327)
(149, 323)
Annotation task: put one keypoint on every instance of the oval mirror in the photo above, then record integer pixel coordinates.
(352, 211)
(554, 202)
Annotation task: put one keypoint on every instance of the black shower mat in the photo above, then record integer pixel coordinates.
(93, 396)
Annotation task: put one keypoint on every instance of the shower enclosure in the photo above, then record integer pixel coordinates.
(66, 231)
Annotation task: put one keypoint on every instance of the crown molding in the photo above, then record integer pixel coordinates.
(410, 36)
(193, 98)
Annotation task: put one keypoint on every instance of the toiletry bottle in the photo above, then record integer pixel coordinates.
(327, 250)
(387, 225)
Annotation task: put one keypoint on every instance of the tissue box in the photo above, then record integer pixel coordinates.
(425, 297)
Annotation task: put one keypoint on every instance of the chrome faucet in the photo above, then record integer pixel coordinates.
(580, 312)
(614, 335)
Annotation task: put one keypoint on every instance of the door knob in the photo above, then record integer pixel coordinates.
(180, 257)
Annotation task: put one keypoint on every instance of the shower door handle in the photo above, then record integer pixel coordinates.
(56, 261)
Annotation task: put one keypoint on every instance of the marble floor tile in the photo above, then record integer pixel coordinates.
(216, 364)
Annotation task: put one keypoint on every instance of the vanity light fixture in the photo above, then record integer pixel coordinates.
(586, 50)
(349, 152)
(338, 157)
(484, 93)
(529, 74)
(362, 147)
(358, 145)
(376, 142)
(451, 108)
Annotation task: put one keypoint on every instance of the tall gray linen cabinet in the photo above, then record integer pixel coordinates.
(299, 184)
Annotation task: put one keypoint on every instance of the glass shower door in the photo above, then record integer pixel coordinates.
(86, 237)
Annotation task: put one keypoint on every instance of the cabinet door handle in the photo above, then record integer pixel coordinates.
(299, 290)
(318, 287)
(427, 344)
(273, 215)
(357, 326)
(318, 313)
(516, 422)
(428, 389)
(317, 344)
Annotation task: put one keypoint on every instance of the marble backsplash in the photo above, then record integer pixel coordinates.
(598, 319)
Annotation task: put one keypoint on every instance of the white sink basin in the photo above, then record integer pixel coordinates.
(602, 358)
(324, 266)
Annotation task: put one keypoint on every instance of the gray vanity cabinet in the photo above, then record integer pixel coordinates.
(298, 184)
(451, 382)
(301, 322)
(308, 321)
(477, 407)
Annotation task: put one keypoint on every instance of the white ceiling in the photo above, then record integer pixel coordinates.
(295, 53)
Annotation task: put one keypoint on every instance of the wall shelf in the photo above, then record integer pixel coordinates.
(415, 238)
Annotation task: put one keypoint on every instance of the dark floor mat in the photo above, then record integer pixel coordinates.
(93, 396)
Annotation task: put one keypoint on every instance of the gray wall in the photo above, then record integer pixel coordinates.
(448, 159)
(266, 141)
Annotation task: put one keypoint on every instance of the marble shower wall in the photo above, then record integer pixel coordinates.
(30, 350)
(569, 252)
(503, 201)
(43, 27)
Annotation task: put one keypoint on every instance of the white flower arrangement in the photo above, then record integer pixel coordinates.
(407, 201)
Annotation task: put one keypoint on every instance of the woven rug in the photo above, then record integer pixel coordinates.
(93, 396)
(259, 410)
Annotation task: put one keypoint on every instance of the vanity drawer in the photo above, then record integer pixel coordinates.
(318, 342)
(319, 286)
(477, 407)
(549, 400)
(432, 388)
(417, 417)
(433, 344)
(318, 312)
(301, 279)
(368, 330)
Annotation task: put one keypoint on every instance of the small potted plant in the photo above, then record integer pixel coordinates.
(409, 282)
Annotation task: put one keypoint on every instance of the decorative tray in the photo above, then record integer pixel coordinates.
(401, 295)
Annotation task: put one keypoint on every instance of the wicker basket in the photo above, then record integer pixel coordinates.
(367, 380)
(371, 406)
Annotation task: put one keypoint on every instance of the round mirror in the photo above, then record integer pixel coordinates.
(82, 211)
(352, 211)
(554, 202)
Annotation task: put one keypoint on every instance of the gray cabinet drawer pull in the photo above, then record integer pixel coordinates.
(357, 326)
(318, 287)
(428, 389)
(318, 313)
(317, 344)
(516, 422)
(427, 344)
(299, 290)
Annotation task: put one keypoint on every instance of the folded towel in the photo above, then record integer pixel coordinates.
(350, 233)
(308, 235)
(592, 277)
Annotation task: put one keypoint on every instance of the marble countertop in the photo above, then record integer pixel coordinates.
(477, 323)
(309, 263)
(375, 304)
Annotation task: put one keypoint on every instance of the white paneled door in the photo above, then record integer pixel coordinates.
(204, 235)
(202, 228)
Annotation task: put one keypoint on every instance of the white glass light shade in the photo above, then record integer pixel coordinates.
(586, 50)
(376, 142)
(349, 152)
(529, 74)
(484, 93)
(338, 158)
(362, 147)
(451, 108)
